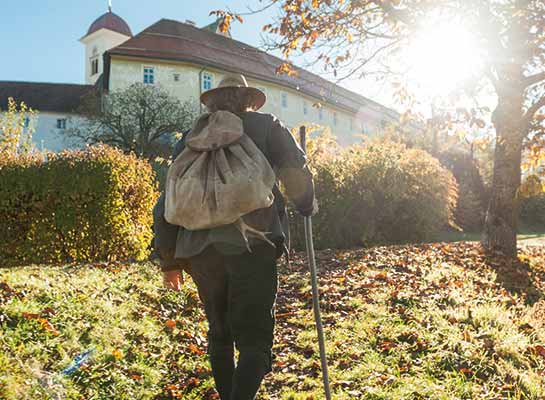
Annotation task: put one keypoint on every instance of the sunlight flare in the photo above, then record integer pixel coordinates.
(442, 58)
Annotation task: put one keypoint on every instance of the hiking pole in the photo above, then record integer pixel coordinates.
(314, 280)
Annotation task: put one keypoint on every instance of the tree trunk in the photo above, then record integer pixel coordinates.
(500, 232)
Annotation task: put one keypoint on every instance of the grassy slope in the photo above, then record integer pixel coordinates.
(526, 234)
(409, 322)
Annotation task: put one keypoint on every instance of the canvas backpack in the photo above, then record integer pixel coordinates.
(220, 176)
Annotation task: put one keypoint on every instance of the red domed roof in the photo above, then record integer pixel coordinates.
(112, 22)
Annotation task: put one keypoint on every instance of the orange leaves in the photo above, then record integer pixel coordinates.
(386, 346)
(225, 23)
(46, 325)
(194, 349)
(286, 68)
(537, 350)
(136, 377)
(117, 354)
(44, 322)
(170, 323)
(226, 19)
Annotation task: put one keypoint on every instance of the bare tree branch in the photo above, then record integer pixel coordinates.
(533, 109)
(533, 79)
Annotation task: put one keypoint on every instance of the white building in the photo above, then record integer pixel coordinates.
(187, 60)
(55, 103)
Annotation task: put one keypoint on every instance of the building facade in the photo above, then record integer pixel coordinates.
(55, 104)
(187, 60)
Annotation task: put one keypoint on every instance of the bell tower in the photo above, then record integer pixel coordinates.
(106, 32)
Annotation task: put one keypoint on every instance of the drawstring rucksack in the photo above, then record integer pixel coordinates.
(219, 177)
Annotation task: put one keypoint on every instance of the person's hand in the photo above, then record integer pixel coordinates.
(173, 280)
(310, 212)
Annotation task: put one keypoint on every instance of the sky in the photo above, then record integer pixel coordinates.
(39, 39)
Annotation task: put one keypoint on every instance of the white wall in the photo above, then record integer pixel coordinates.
(95, 45)
(47, 136)
(348, 127)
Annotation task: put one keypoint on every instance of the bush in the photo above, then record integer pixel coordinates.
(532, 203)
(472, 195)
(378, 193)
(80, 206)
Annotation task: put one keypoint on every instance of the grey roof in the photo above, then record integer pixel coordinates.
(53, 97)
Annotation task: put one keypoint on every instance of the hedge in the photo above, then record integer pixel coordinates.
(376, 193)
(75, 206)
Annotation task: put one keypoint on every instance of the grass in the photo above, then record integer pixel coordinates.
(439, 321)
(525, 234)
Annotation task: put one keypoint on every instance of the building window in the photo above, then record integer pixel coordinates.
(94, 66)
(207, 81)
(284, 100)
(149, 75)
(305, 108)
(335, 118)
(26, 123)
(176, 77)
(61, 123)
(320, 113)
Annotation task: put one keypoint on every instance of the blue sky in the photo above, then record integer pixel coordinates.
(39, 38)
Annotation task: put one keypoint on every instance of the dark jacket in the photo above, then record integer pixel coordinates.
(174, 245)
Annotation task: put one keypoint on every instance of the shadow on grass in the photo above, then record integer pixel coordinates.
(518, 276)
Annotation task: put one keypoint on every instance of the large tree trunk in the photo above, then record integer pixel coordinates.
(500, 232)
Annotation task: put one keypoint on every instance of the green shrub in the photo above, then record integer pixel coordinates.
(85, 205)
(532, 203)
(381, 192)
(472, 195)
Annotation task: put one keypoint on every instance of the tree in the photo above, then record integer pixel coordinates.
(358, 37)
(141, 118)
(16, 128)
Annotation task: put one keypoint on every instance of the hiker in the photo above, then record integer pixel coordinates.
(235, 266)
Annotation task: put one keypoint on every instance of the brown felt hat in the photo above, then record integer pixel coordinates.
(256, 98)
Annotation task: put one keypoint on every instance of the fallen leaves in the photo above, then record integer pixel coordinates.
(391, 315)
(44, 322)
(117, 354)
(537, 350)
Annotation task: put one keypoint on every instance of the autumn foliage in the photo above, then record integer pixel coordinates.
(379, 192)
(85, 205)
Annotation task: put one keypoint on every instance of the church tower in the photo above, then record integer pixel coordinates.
(106, 32)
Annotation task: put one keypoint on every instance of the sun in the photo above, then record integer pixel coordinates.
(441, 58)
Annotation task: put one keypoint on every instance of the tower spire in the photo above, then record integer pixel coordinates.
(109, 5)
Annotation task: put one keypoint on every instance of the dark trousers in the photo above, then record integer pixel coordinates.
(239, 294)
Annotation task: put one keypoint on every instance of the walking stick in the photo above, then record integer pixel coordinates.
(314, 279)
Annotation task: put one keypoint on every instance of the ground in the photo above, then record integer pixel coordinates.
(434, 321)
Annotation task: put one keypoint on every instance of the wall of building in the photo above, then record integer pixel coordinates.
(347, 126)
(95, 45)
(46, 134)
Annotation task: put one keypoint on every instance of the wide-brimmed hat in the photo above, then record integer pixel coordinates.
(255, 97)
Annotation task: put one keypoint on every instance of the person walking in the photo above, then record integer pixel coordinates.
(235, 273)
